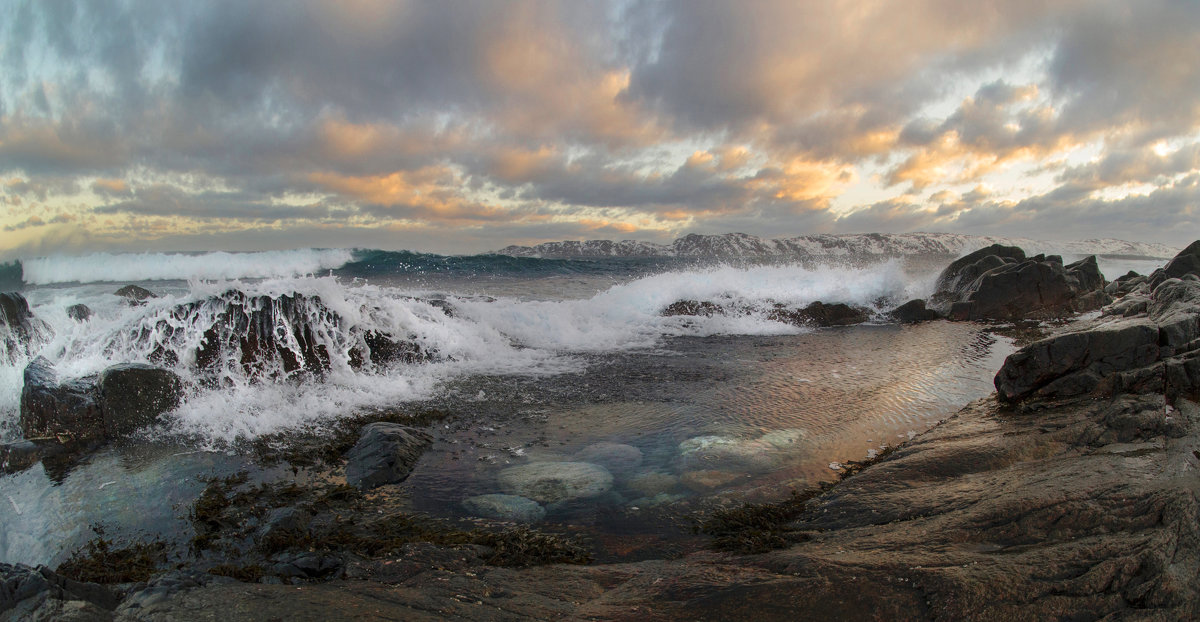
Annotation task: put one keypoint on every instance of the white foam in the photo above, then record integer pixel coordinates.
(106, 267)
(482, 335)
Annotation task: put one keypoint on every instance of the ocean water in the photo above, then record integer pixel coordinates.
(540, 360)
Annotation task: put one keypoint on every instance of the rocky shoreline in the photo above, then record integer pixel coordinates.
(1070, 493)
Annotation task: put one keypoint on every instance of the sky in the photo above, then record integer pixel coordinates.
(466, 126)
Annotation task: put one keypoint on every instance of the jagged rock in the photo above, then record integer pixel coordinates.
(79, 312)
(961, 272)
(821, 314)
(999, 283)
(384, 454)
(512, 508)
(307, 565)
(1186, 262)
(41, 594)
(268, 337)
(135, 294)
(912, 312)
(551, 482)
(134, 395)
(383, 350)
(1075, 363)
(692, 307)
(20, 331)
(621, 460)
(1155, 350)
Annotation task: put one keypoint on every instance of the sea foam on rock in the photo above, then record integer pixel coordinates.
(268, 337)
(21, 334)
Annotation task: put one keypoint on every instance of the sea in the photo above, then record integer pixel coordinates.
(535, 360)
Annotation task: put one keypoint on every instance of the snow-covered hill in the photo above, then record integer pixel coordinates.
(741, 245)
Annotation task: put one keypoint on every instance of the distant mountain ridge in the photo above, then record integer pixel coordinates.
(741, 245)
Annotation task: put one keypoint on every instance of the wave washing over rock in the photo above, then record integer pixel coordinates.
(1069, 493)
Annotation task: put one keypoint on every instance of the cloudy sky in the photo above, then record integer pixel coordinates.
(466, 126)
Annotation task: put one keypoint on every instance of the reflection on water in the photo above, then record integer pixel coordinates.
(718, 420)
(701, 421)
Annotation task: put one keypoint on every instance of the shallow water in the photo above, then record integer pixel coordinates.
(534, 368)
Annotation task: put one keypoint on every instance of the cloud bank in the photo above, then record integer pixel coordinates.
(466, 126)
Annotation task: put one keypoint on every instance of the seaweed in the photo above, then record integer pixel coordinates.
(100, 561)
(758, 527)
(522, 546)
(851, 468)
(340, 525)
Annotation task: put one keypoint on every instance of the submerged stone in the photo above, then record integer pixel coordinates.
(512, 508)
(620, 459)
(384, 454)
(551, 482)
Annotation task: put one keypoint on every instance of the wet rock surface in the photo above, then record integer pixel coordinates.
(135, 294)
(41, 594)
(20, 331)
(914, 311)
(384, 454)
(83, 412)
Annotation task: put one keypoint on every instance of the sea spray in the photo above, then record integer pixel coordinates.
(108, 267)
(463, 335)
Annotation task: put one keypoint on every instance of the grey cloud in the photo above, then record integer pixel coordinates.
(163, 200)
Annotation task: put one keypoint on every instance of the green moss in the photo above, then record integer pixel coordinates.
(100, 561)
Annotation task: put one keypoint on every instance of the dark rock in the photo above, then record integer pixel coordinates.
(20, 455)
(79, 312)
(268, 337)
(1186, 262)
(69, 411)
(693, 308)
(1118, 355)
(38, 593)
(85, 411)
(913, 311)
(384, 350)
(20, 331)
(821, 314)
(133, 396)
(963, 271)
(1074, 363)
(1006, 288)
(384, 454)
(135, 294)
(307, 566)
